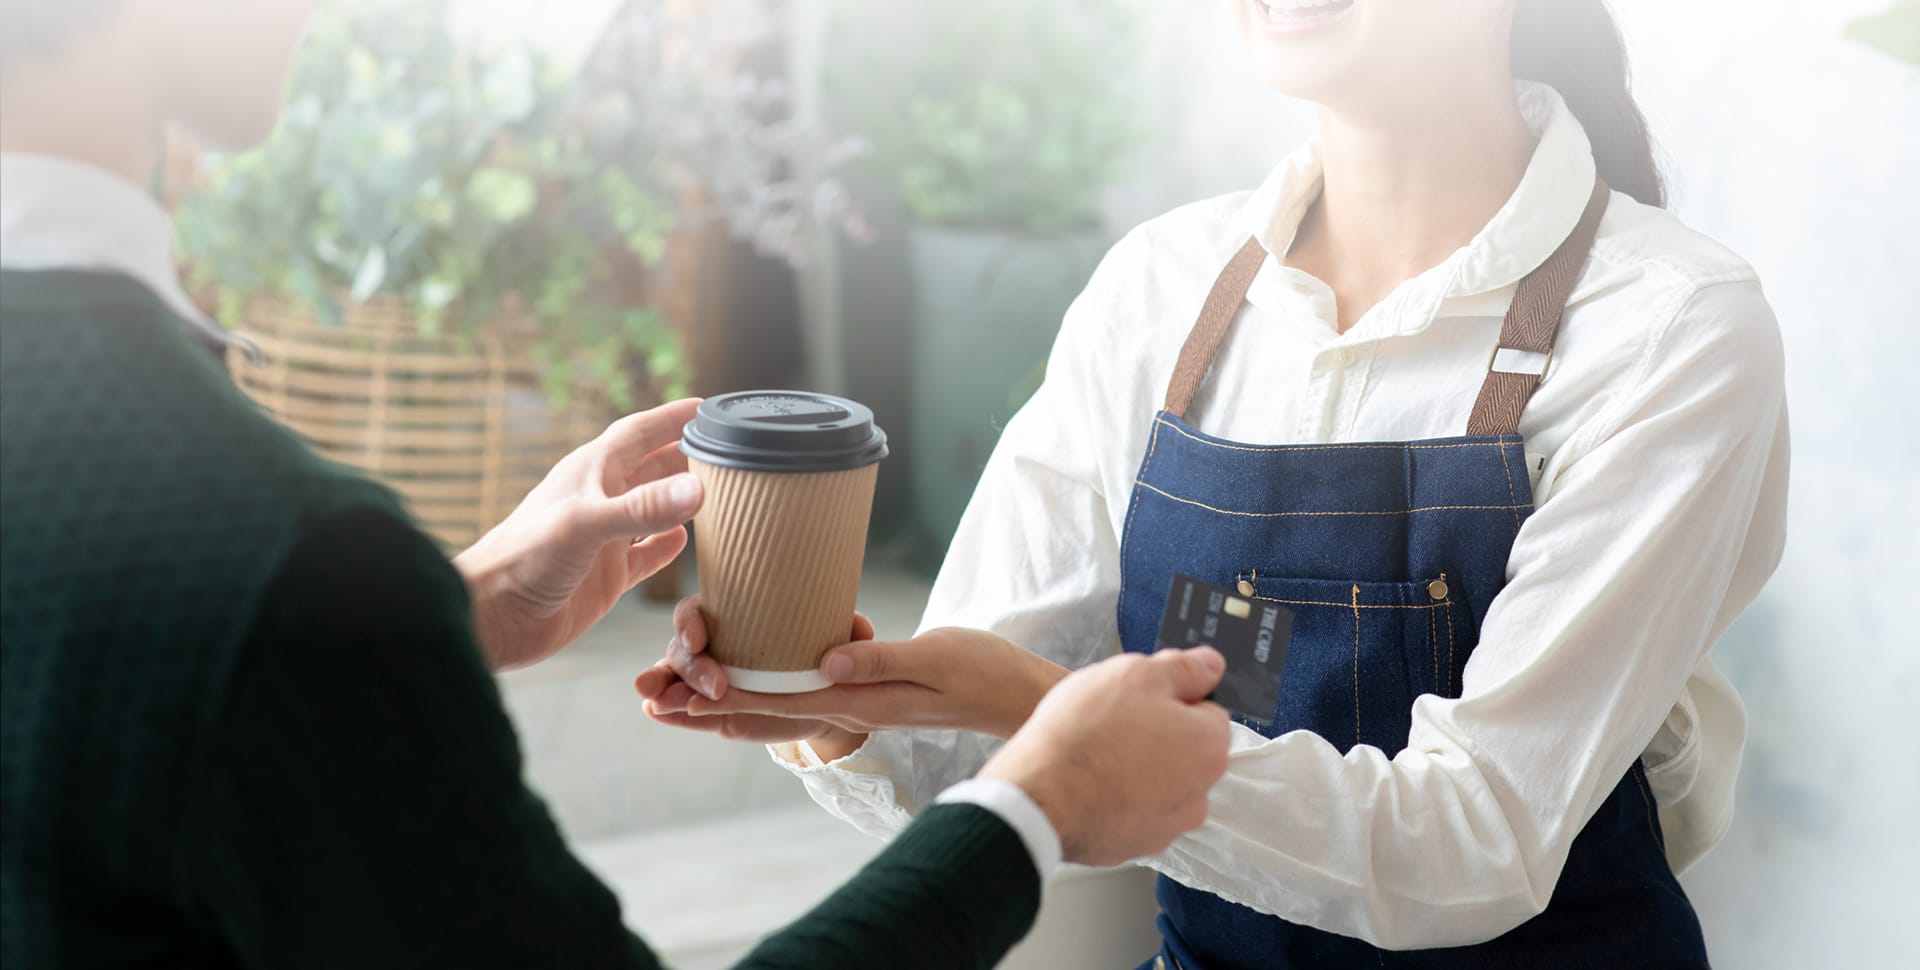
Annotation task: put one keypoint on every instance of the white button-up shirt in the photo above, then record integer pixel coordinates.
(1658, 442)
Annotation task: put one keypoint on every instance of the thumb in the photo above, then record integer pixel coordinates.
(648, 509)
(1193, 673)
(873, 662)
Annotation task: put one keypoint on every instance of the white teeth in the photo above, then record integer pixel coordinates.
(1295, 8)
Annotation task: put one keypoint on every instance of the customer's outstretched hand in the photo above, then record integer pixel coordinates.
(609, 515)
(1121, 755)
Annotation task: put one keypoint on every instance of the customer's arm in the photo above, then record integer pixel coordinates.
(365, 806)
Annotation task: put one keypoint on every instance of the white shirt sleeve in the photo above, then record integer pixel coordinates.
(1016, 808)
(1035, 560)
(1618, 585)
(1661, 522)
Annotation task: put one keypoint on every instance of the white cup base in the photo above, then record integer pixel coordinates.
(776, 681)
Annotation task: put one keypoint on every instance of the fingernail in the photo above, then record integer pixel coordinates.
(1212, 660)
(838, 667)
(683, 489)
(710, 686)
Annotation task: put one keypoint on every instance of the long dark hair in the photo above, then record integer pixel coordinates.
(1575, 46)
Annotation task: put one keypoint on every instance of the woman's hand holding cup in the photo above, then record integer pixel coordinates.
(945, 678)
(687, 673)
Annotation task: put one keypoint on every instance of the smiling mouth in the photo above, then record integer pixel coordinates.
(1299, 13)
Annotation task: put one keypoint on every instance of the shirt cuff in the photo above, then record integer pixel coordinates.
(1014, 807)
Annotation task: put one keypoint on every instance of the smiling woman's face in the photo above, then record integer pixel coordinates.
(1358, 54)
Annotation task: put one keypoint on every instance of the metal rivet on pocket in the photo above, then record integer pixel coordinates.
(1438, 589)
(1246, 588)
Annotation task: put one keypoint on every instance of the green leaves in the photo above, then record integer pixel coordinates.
(502, 195)
(460, 181)
(996, 114)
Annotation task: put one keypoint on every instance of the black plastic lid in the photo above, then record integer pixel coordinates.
(784, 431)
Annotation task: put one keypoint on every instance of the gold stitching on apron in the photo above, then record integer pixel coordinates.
(1288, 515)
(1512, 496)
(1364, 606)
(1433, 647)
(1449, 690)
(1364, 446)
(1356, 663)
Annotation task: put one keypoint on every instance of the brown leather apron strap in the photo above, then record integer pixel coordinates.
(1216, 318)
(1533, 322)
(1518, 363)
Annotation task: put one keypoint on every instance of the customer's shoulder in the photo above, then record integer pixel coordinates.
(104, 382)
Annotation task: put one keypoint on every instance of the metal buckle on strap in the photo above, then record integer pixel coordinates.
(1506, 360)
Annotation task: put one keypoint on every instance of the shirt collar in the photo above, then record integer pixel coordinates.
(57, 213)
(1539, 216)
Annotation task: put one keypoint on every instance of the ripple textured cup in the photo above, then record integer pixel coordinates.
(789, 477)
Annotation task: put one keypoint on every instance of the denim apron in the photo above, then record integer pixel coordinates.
(1389, 555)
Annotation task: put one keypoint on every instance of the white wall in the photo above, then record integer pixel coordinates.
(1801, 150)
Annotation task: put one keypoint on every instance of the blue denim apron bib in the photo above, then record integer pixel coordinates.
(1389, 555)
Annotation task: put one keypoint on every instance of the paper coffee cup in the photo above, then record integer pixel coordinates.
(779, 542)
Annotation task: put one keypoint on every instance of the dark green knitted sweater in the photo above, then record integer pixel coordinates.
(246, 723)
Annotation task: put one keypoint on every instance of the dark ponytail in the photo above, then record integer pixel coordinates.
(1575, 46)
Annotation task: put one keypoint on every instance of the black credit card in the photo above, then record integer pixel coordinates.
(1252, 634)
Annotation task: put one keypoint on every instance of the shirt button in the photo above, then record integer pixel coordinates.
(1344, 358)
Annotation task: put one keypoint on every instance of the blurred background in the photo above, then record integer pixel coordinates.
(493, 225)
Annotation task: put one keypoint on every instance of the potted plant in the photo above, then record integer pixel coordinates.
(999, 125)
(457, 252)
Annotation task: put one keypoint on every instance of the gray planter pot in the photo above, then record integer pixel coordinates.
(986, 308)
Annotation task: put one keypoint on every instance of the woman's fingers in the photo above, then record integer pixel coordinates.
(883, 661)
(687, 653)
(862, 628)
(867, 706)
(654, 681)
(690, 624)
(700, 671)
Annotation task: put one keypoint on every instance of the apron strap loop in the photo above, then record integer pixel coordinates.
(1216, 318)
(1533, 322)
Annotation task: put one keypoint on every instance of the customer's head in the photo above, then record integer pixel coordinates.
(1385, 59)
(214, 67)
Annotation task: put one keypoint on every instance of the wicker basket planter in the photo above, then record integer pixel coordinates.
(459, 427)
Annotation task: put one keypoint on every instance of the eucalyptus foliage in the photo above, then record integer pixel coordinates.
(469, 181)
(995, 114)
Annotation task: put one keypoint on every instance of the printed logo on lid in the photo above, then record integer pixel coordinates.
(784, 409)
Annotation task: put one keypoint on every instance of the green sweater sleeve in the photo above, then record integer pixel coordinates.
(368, 809)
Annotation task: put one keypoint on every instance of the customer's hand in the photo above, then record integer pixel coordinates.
(609, 515)
(1121, 755)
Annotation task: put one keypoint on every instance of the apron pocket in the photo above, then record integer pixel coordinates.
(1360, 653)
